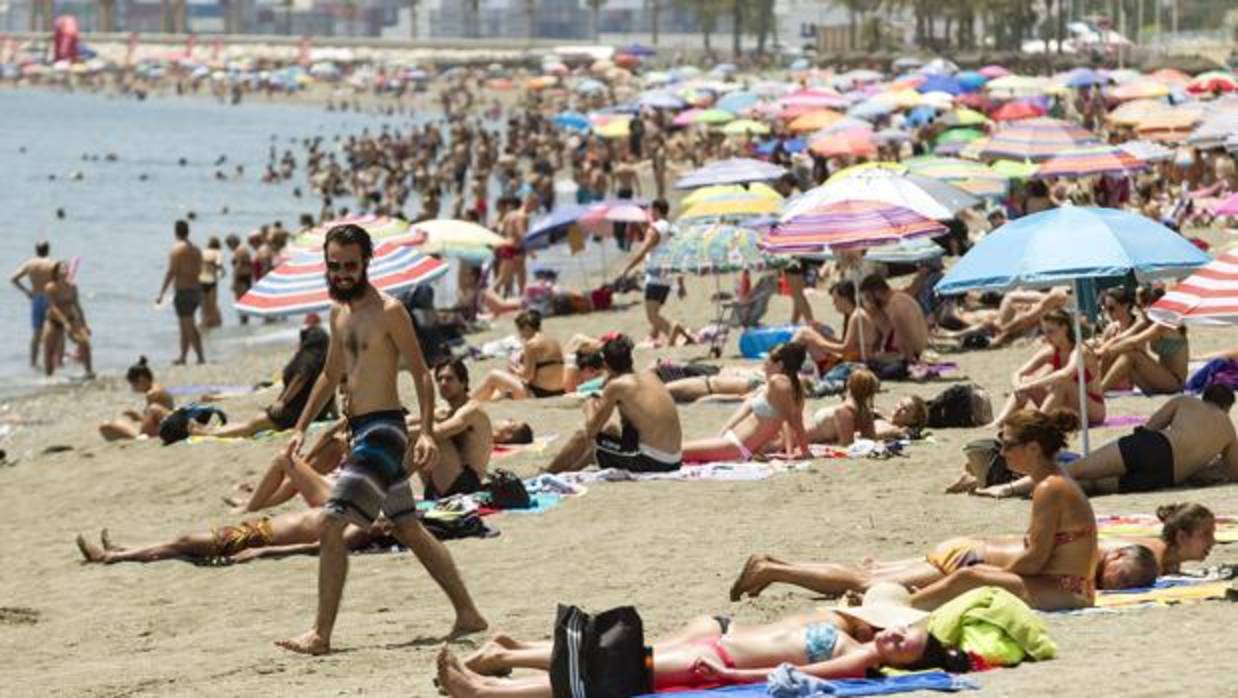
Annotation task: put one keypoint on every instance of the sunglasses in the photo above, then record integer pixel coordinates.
(343, 266)
(1007, 445)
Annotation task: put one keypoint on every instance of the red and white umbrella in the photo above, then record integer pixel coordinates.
(1207, 297)
(299, 285)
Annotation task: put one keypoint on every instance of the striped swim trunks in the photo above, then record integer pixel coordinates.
(373, 478)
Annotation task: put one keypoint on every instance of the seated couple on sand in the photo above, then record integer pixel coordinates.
(1187, 438)
(1187, 535)
(889, 323)
(826, 643)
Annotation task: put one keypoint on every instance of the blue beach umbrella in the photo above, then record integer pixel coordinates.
(1074, 245)
(660, 99)
(791, 145)
(970, 80)
(736, 102)
(571, 120)
(1084, 77)
(553, 226)
(940, 83)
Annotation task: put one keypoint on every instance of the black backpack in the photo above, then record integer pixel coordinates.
(962, 405)
(602, 656)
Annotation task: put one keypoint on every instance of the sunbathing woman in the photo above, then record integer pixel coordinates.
(729, 383)
(539, 373)
(299, 376)
(1119, 306)
(1188, 533)
(1160, 372)
(158, 405)
(712, 649)
(1056, 569)
(826, 351)
(776, 411)
(1127, 563)
(1049, 380)
(857, 417)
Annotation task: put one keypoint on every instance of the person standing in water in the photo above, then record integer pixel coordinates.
(184, 270)
(370, 333)
(39, 270)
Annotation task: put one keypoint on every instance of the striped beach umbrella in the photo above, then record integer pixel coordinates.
(1036, 139)
(299, 285)
(379, 227)
(1083, 162)
(926, 196)
(713, 249)
(1228, 207)
(970, 176)
(1207, 297)
(732, 171)
(848, 224)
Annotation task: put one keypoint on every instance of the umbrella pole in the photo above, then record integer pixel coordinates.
(859, 326)
(1080, 372)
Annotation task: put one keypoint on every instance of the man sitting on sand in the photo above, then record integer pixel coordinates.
(648, 437)
(899, 318)
(463, 434)
(1125, 566)
(1184, 437)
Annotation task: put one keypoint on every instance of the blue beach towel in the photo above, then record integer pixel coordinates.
(787, 682)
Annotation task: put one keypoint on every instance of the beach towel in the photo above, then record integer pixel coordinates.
(211, 389)
(994, 624)
(1124, 420)
(733, 472)
(539, 445)
(1176, 592)
(1148, 526)
(787, 682)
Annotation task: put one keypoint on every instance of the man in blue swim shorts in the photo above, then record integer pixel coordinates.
(370, 333)
(39, 270)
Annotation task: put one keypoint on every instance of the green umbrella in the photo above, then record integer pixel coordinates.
(1012, 169)
(713, 116)
(959, 135)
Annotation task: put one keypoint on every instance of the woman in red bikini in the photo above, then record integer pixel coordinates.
(1056, 569)
(1050, 379)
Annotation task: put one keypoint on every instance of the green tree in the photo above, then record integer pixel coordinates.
(706, 13)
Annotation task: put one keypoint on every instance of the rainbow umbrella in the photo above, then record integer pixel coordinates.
(1036, 139)
(716, 248)
(971, 177)
(298, 285)
(1207, 297)
(1096, 160)
(926, 196)
(379, 228)
(847, 224)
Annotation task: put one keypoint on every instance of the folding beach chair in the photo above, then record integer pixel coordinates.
(742, 313)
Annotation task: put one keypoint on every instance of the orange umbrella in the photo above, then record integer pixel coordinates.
(855, 143)
(813, 121)
(1169, 125)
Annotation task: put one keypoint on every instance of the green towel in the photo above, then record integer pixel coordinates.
(994, 624)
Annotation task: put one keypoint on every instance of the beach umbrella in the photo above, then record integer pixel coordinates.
(908, 251)
(971, 80)
(454, 238)
(847, 224)
(941, 83)
(1095, 160)
(1171, 76)
(590, 86)
(925, 196)
(554, 226)
(895, 167)
(1084, 77)
(379, 227)
(716, 248)
(889, 136)
(1016, 85)
(813, 120)
(1147, 150)
(790, 145)
(1068, 246)
(870, 109)
(686, 117)
(1214, 130)
(738, 101)
(815, 98)
(741, 127)
(713, 116)
(1207, 297)
(571, 120)
(855, 143)
(728, 191)
(1013, 169)
(732, 171)
(1014, 111)
(958, 135)
(963, 117)
(993, 71)
(921, 115)
(1036, 139)
(1139, 89)
(298, 285)
(843, 125)
(1168, 126)
(638, 49)
(620, 127)
(1135, 111)
(939, 66)
(1213, 81)
(660, 99)
(971, 177)
(614, 211)
(733, 206)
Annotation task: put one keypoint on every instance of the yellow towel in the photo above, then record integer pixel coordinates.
(1166, 597)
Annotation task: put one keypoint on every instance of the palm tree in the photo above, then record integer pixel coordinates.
(412, 18)
(595, 7)
(737, 27)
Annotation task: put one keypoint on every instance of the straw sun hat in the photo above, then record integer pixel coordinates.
(885, 605)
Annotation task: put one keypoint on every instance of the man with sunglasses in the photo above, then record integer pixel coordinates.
(370, 333)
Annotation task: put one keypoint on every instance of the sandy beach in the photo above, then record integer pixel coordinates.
(669, 548)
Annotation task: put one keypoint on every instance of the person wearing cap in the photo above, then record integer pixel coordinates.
(648, 436)
(826, 642)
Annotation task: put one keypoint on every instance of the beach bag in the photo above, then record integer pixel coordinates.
(507, 491)
(1217, 371)
(962, 405)
(602, 656)
(602, 298)
(175, 426)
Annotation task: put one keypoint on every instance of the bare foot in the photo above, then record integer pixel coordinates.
(467, 624)
(179, 362)
(89, 552)
(454, 678)
(746, 582)
(309, 643)
(965, 483)
(487, 660)
(105, 539)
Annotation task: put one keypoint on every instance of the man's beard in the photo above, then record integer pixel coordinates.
(346, 295)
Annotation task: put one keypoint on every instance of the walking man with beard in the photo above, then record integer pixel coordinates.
(370, 333)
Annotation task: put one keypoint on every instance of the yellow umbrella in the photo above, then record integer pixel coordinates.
(900, 99)
(848, 171)
(813, 121)
(615, 128)
(455, 238)
(741, 127)
(722, 191)
(738, 206)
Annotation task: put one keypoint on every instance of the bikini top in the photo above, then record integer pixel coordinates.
(1167, 346)
(759, 404)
